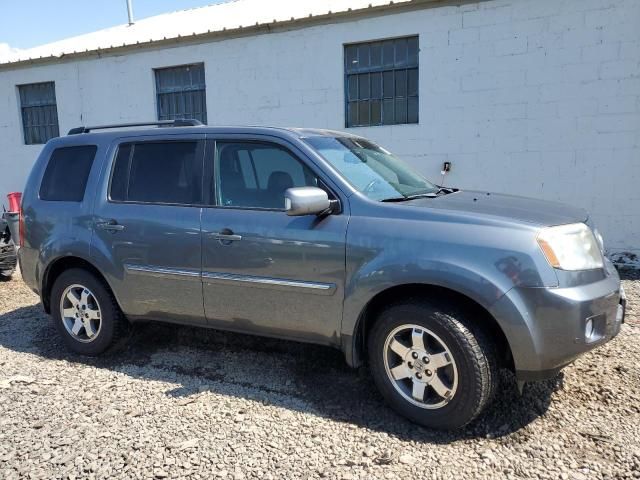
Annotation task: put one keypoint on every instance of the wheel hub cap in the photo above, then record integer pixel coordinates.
(80, 313)
(420, 366)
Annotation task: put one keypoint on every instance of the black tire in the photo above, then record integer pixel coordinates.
(113, 325)
(473, 354)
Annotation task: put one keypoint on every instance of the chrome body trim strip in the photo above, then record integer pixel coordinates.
(162, 272)
(267, 282)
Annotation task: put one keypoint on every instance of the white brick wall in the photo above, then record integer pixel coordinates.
(539, 98)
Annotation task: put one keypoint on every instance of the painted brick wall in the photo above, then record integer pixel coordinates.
(538, 98)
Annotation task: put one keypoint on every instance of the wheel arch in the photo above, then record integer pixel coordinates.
(62, 264)
(357, 350)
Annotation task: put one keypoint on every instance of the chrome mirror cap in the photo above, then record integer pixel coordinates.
(305, 201)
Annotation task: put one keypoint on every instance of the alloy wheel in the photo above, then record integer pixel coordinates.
(420, 366)
(80, 313)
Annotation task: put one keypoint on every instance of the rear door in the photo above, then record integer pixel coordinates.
(147, 227)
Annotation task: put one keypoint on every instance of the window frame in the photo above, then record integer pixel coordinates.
(181, 90)
(200, 153)
(46, 168)
(211, 172)
(382, 69)
(23, 108)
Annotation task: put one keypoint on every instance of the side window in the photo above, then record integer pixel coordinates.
(157, 172)
(256, 175)
(65, 178)
(39, 112)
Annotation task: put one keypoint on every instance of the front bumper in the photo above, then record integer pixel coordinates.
(548, 328)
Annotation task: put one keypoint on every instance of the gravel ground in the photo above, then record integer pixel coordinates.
(186, 402)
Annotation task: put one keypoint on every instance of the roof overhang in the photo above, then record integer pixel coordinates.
(240, 31)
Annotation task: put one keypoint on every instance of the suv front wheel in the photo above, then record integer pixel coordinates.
(85, 312)
(428, 364)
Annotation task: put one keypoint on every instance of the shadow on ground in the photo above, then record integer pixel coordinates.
(296, 376)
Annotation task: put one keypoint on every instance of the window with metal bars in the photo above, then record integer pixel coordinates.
(181, 92)
(381, 82)
(39, 112)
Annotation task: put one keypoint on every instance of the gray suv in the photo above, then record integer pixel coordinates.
(316, 236)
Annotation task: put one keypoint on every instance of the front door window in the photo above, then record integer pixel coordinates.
(256, 175)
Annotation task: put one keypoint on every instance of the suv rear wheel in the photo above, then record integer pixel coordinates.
(85, 312)
(429, 366)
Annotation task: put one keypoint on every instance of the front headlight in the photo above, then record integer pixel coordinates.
(570, 247)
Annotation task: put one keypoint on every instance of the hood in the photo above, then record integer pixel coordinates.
(530, 210)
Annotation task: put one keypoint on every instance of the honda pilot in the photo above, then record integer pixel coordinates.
(315, 236)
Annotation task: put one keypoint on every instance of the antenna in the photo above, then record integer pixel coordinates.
(130, 12)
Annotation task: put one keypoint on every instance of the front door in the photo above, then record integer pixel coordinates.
(147, 228)
(263, 271)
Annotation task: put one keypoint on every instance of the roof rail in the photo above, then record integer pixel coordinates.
(160, 123)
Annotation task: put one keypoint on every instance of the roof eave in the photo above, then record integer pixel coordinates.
(257, 29)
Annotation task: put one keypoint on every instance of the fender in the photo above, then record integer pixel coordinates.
(377, 277)
(52, 254)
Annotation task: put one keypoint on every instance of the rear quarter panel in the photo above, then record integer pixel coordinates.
(55, 229)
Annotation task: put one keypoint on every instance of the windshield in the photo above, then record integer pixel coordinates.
(371, 169)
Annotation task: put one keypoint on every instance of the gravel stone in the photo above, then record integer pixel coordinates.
(181, 402)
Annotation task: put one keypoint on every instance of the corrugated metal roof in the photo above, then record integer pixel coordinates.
(231, 16)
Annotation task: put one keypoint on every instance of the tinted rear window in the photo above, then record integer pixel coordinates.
(65, 178)
(157, 172)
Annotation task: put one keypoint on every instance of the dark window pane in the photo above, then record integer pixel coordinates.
(387, 83)
(352, 114)
(363, 56)
(376, 85)
(413, 82)
(118, 191)
(39, 112)
(387, 71)
(401, 110)
(363, 113)
(376, 55)
(181, 92)
(166, 172)
(401, 52)
(412, 111)
(413, 51)
(388, 56)
(65, 178)
(376, 112)
(363, 86)
(351, 58)
(401, 83)
(352, 86)
(388, 117)
(276, 170)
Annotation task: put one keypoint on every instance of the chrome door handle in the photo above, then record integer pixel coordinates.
(226, 235)
(110, 226)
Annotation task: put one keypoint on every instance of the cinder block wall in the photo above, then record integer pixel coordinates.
(537, 98)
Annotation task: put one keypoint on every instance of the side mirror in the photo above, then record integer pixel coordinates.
(305, 201)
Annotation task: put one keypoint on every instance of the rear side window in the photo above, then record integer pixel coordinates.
(157, 172)
(65, 178)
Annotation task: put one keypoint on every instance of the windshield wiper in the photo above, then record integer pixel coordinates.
(410, 197)
(437, 193)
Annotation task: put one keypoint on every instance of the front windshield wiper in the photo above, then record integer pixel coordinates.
(410, 197)
(437, 193)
